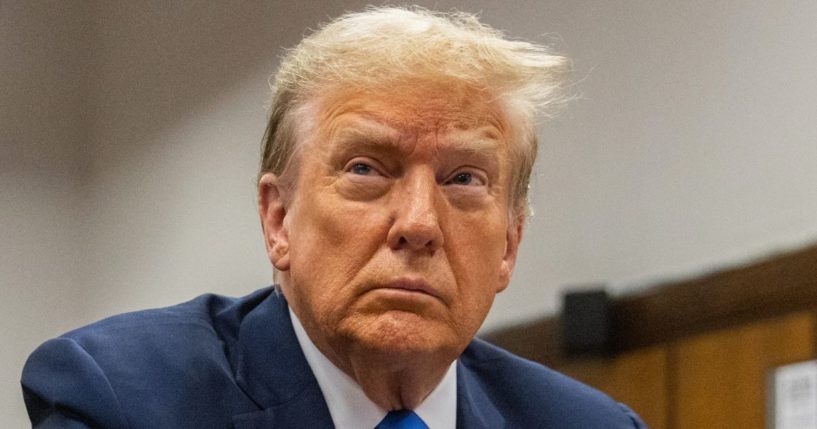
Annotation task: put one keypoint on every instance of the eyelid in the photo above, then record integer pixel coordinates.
(371, 163)
(475, 172)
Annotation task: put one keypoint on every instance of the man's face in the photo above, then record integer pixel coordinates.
(397, 233)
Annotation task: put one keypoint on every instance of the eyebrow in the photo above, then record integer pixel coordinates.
(480, 145)
(481, 140)
(366, 135)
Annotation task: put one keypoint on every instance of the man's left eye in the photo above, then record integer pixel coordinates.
(466, 179)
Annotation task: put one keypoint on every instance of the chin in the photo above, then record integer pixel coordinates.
(407, 334)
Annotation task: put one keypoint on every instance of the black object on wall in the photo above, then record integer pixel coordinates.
(586, 322)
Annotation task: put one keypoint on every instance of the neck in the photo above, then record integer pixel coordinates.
(397, 382)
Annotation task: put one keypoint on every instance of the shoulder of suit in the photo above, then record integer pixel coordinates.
(503, 366)
(208, 315)
(537, 390)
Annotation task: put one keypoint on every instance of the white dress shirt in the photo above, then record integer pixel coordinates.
(349, 406)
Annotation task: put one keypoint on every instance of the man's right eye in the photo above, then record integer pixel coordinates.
(364, 167)
(361, 169)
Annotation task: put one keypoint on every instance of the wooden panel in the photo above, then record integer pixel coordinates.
(637, 379)
(720, 377)
(780, 285)
(783, 284)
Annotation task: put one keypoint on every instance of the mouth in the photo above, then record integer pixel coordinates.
(408, 287)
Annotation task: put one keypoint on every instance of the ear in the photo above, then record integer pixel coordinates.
(513, 237)
(272, 210)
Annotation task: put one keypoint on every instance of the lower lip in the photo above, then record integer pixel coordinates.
(400, 293)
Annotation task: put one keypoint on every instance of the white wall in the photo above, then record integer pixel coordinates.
(43, 76)
(130, 137)
(693, 146)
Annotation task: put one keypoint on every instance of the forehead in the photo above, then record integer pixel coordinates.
(411, 111)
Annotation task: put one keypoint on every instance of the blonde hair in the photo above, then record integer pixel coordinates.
(382, 46)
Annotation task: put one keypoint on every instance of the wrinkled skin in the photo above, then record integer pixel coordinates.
(396, 234)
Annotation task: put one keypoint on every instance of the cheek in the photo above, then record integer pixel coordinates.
(476, 251)
(331, 239)
(345, 229)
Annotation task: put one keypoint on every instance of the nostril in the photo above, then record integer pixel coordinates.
(403, 240)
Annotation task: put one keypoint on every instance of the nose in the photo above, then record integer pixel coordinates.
(416, 224)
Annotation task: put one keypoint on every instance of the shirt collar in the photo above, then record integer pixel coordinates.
(351, 408)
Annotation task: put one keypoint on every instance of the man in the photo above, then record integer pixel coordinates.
(392, 197)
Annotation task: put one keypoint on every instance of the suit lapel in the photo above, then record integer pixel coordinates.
(307, 410)
(272, 370)
(474, 407)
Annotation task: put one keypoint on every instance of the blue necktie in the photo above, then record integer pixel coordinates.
(401, 419)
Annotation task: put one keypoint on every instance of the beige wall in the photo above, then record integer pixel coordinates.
(130, 133)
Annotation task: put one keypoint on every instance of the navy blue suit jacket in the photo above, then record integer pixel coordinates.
(218, 362)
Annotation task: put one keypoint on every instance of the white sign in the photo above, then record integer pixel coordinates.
(795, 396)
